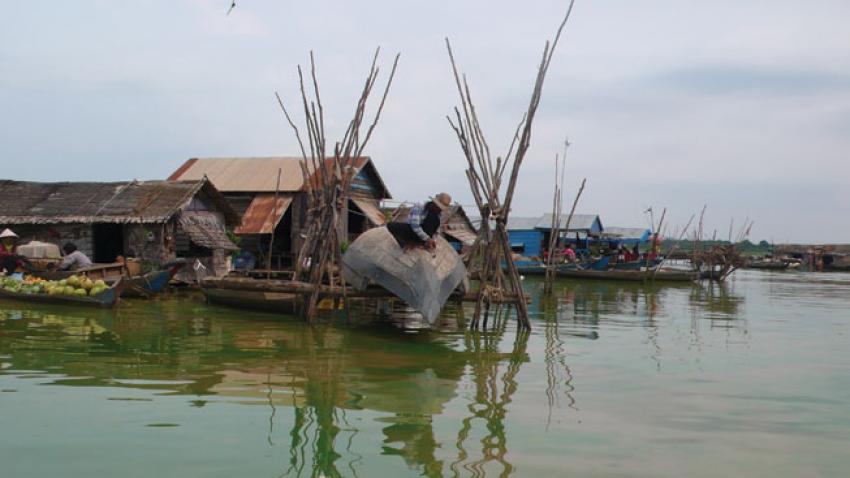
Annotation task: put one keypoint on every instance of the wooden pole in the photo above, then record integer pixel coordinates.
(486, 178)
(274, 226)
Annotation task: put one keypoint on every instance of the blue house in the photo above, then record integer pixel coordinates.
(529, 236)
(524, 236)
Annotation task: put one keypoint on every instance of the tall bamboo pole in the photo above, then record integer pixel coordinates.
(485, 177)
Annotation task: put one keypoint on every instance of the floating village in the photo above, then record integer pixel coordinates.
(318, 231)
(263, 308)
(302, 235)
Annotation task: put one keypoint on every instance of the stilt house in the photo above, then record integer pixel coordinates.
(264, 206)
(152, 221)
(529, 236)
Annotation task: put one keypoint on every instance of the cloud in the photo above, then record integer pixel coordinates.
(729, 79)
(666, 102)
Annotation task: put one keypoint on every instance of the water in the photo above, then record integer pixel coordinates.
(748, 379)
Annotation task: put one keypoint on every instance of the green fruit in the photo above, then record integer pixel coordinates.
(68, 290)
(63, 282)
(100, 283)
(81, 293)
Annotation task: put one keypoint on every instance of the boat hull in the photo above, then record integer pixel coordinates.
(423, 279)
(630, 275)
(253, 299)
(108, 298)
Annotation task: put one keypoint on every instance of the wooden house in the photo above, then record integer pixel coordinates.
(251, 185)
(152, 221)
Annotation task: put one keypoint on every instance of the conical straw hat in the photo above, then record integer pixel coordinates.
(8, 233)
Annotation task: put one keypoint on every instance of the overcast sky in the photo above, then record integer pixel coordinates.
(743, 105)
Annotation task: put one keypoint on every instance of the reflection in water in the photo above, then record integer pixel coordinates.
(494, 385)
(718, 305)
(321, 388)
(558, 372)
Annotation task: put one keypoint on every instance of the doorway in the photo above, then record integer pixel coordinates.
(107, 242)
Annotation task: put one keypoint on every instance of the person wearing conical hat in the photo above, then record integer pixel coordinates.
(9, 260)
(422, 224)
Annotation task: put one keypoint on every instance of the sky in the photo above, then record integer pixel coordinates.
(740, 105)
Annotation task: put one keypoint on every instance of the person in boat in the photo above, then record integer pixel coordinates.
(422, 225)
(74, 259)
(569, 253)
(9, 257)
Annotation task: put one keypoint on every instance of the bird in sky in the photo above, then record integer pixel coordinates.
(232, 6)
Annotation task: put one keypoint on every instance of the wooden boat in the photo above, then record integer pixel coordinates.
(530, 268)
(423, 279)
(107, 298)
(143, 285)
(661, 275)
(635, 265)
(152, 283)
(767, 265)
(95, 271)
(283, 302)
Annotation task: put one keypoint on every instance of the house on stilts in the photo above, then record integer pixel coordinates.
(269, 208)
(152, 222)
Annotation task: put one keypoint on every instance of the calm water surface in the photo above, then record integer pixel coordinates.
(748, 379)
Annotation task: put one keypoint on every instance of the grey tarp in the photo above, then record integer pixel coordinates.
(423, 279)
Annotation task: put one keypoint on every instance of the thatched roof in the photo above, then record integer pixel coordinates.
(25, 202)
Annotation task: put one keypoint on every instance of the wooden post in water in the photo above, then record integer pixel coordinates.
(327, 181)
(554, 230)
(274, 226)
(485, 177)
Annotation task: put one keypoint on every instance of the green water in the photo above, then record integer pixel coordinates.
(749, 379)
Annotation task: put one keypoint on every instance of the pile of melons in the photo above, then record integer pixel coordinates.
(79, 286)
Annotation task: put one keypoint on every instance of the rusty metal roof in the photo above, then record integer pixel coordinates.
(259, 174)
(264, 213)
(371, 210)
(244, 174)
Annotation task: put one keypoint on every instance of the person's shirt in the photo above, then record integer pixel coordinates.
(75, 260)
(415, 219)
(8, 250)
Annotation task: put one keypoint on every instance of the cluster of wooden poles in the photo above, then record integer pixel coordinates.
(328, 178)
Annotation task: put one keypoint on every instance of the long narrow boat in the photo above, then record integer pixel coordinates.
(283, 302)
(144, 285)
(635, 265)
(767, 265)
(662, 275)
(107, 298)
(530, 268)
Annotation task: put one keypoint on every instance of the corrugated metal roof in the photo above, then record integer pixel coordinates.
(244, 174)
(628, 232)
(520, 223)
(371, 210)
(264, 213)
(462, 234)
(259, 174)
(579, 222)
(25, 202)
